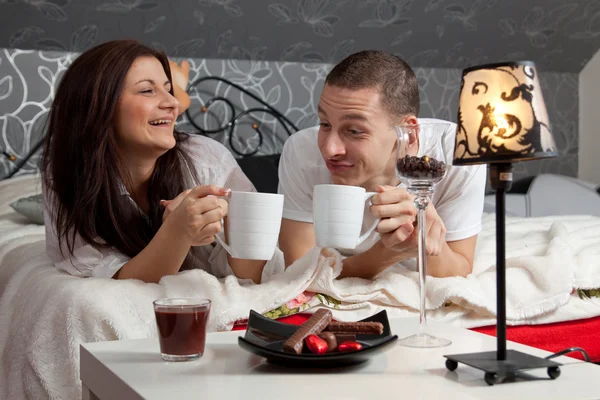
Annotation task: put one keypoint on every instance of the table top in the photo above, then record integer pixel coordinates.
(133, 369)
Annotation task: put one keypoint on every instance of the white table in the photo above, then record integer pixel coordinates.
(133, 369)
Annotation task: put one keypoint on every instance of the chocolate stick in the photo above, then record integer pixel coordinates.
(359, 328)
(314, 325)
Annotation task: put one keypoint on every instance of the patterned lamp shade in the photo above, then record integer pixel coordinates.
(502, 117)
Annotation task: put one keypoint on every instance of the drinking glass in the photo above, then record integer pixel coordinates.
(181, 324)
(420, 174)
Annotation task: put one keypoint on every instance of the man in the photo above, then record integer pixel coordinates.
(364, 97)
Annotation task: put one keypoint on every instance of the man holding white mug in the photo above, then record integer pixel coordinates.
(364, 97)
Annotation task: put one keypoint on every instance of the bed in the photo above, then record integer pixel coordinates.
(554, 270)
(525, 200)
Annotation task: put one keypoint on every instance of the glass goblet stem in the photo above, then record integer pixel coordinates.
(421, 202)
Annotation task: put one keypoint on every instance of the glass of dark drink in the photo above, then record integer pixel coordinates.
(181, 324)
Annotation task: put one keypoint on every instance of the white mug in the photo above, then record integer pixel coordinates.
(338, 212)
(253, 224)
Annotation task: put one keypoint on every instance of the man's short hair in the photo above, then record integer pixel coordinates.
(390, 74)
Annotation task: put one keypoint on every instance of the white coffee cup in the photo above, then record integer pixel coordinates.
(253, 224)
(338, 215)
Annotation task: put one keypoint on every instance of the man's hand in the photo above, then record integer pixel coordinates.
(398, 213)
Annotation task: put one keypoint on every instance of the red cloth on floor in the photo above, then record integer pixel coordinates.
(554, 337)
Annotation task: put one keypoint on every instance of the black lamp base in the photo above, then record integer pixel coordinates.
(498, 370)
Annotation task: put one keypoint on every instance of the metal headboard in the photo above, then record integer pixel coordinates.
(229, 127)
(20, 163)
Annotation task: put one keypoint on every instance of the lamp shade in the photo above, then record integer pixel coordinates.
(502, 116)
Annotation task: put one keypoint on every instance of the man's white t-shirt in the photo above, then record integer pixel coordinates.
(458, 198)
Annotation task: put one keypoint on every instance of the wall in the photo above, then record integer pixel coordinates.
(558, 35)
(589, 120)
(28, 78)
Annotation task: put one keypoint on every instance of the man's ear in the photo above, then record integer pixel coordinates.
(412, 139)
(411, 120)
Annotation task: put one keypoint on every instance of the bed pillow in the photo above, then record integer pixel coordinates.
(31, 207)
(262, 171)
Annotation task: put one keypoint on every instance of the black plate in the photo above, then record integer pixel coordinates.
(265, 338)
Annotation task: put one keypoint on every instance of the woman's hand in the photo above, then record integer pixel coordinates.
(192, 219)
(171, 205)
(197, 213)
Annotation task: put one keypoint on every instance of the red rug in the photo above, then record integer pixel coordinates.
(554, 337)
(584, 333)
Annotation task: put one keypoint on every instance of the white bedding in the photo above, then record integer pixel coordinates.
(45, 315)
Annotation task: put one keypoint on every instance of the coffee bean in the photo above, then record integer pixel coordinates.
(421, 167)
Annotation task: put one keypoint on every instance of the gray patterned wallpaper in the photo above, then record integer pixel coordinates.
(560, 35)
(27, 80)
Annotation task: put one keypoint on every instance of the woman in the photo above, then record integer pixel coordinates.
(117, 176)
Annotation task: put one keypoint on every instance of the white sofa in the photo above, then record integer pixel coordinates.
(550, 194)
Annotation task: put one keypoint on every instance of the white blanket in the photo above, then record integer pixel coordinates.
(45, 315)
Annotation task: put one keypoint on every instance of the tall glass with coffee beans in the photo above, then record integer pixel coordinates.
(424, 153)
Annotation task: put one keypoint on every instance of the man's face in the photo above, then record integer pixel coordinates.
(356, 137)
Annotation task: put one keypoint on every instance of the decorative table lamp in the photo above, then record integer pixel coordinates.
(502, 119)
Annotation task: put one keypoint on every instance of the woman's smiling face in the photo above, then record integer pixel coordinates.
(146, 110)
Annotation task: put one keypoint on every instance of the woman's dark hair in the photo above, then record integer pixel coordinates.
(80, 161)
